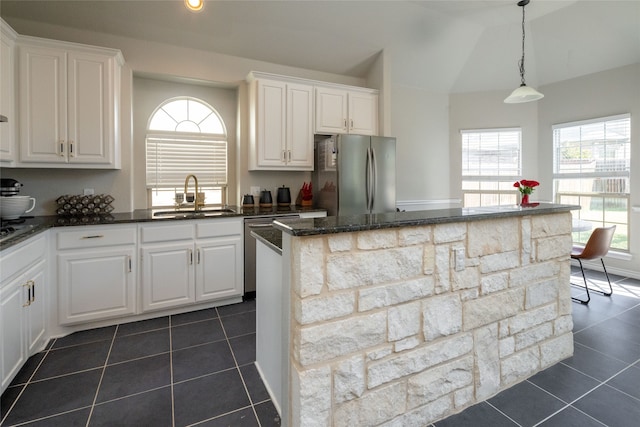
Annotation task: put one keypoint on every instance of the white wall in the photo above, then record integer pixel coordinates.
(598, 95)
(420, 122)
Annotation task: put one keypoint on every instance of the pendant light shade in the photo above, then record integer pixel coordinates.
(523, 93)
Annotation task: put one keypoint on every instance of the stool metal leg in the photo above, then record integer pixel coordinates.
(586, 288)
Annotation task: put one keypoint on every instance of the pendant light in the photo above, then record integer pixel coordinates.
(194, 5)
(524, 93)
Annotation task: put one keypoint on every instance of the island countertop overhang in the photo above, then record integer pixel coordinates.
(364, 222)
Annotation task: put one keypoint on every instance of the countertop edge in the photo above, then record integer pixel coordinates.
(271, 238)
(365, 222)
(39, 224)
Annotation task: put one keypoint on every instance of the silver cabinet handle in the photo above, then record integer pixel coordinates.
(129, 262)
(61, 154)
(190, 256)
(94, 236)
(28, 303)
(289, 154)
(351, 124)
(198, 255)
(32, 286)
(71, 153)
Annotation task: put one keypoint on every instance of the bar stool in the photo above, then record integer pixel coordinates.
(597, 247)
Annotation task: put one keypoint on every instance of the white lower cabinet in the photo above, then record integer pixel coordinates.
(190, 262)
(96, 273)
(22, 306)
(167, 275)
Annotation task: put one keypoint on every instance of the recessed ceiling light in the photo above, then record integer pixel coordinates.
(194, 5)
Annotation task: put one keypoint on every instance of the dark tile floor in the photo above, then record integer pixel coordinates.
(197, 369)
(189, 369)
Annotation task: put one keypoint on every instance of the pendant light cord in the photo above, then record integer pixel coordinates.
(521, 64)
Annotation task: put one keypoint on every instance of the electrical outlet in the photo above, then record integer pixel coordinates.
(88, 192)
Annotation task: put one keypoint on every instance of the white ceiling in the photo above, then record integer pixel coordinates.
(444, 45)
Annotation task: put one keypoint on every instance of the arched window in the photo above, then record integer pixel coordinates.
(186, 136)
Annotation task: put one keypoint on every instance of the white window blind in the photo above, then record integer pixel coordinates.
(171, 159)
(491, 152)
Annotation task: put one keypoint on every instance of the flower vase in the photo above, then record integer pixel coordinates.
(525, 200)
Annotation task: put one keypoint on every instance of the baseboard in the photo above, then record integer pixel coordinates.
(597, 266)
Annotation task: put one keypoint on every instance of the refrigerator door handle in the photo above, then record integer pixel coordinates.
(374, 178)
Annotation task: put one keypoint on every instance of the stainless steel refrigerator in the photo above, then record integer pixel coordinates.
(355, 174)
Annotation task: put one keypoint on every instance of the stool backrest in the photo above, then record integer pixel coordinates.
(599, 242)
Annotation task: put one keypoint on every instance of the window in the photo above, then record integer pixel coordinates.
(491, 163)
(186, 136)
(592, 163)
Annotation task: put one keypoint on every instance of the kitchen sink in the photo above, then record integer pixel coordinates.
(192, 213)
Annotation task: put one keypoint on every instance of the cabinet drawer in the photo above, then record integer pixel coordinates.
(13, 261)
(218, 228)
(166, 233)
(92, 237)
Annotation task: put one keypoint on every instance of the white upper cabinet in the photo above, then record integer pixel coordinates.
(7, 94)
(281, 123)
(69, 104)
(346, 111)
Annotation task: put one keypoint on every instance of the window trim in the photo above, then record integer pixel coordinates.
(557, 176)
(174, 137)
(491, 178)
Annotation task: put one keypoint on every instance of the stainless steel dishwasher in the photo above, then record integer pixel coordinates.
(250, 250)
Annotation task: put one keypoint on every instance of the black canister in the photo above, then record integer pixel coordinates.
(247, 200)
(284, 196)
(265, 199)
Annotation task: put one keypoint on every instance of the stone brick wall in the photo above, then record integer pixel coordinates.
(387, 329)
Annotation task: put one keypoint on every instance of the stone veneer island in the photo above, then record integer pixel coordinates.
(405, 318)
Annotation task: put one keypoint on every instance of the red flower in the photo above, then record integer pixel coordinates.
(526, 186)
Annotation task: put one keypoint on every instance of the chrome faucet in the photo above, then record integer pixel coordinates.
(197, 204)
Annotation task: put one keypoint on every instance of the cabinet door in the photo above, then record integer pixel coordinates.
(219, 269)
(300, 126)
(95, 284)
(363, 113)
(331, 111)
(12, 298)
(167, 275)
(35, 313)
(271, 122)
(43, 104)
(7, 94)
(90, 108)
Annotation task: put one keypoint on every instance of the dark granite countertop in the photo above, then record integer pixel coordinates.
(38, 224)
(270, 237)
(341, 224)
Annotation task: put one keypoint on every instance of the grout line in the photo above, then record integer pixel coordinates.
(104, 368)
(235, 361)
(505, 415)
(173, 404)
(25, 384)
(197, 423)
